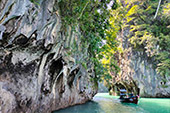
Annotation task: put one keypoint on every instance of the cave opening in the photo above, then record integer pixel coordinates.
(55, 68)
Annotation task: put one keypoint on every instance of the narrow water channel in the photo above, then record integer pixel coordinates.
(104, 103)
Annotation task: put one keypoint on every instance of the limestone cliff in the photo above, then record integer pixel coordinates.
(41, 64)
(138, 73)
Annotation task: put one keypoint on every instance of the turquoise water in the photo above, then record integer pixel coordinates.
(104, 103)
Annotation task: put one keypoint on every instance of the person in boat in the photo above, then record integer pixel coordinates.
(131, 95)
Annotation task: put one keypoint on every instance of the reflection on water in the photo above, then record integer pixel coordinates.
(103, 103)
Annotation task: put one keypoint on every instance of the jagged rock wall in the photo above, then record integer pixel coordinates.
(40, 62)
(138, 73)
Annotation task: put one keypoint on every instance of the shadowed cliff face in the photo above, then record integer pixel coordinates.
(40, 63)
(138, 73)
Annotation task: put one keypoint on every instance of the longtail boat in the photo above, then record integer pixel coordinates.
(128, 98)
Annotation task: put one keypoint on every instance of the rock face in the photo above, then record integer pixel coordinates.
(40, 62)
(102, 88)
(138, 73)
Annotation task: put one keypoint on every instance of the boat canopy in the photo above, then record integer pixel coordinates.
(122, 90)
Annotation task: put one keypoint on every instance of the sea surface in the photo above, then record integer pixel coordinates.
(104, 103)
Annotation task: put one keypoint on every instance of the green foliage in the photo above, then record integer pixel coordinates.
(109, 50)
(92, 18)
(164, 86)
(151, 35)
(36, 2)
(84, 65)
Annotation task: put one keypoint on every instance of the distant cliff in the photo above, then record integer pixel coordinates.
(138, 73)
(43, 66)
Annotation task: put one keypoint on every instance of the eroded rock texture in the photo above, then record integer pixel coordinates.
(138, 73)
(40, 62)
